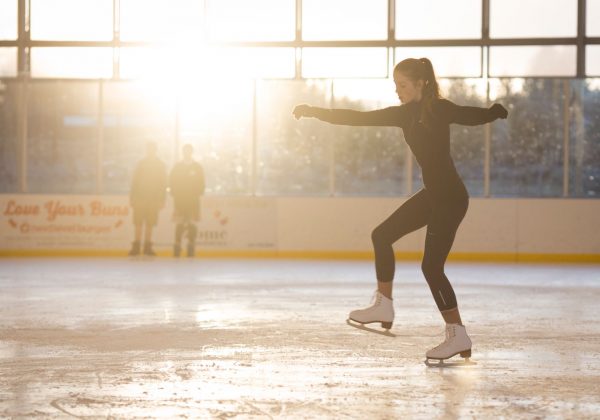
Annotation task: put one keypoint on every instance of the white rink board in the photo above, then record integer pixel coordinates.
(83, 222)
(298, 224)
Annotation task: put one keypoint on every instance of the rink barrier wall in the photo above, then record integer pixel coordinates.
(315, 255)
(495, 229)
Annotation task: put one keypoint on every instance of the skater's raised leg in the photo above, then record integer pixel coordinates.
(410, 216)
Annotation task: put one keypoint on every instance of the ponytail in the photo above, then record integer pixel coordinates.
(422, 69)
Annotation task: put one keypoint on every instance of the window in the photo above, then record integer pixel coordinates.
(592, 59)
(293, 156)
(324, 20)
(244, 63)
(584, 150)
(161, 20)
(8, 62)
(527, 148)
(533, 18)
(256, 20)
(72, 20)
(438, 19)
(344, 62)
(447, 61)
(543, 61)
(62, 137)
(71, 62)
(9, 145)
(592, 12)
(8, 19)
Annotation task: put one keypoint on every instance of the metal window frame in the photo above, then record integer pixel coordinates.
(24, 43)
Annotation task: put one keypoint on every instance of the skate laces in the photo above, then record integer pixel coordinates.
(374, 300)
(449, 335)
(375, 297)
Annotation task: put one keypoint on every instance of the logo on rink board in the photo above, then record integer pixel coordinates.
(104, 222)
(62, 222)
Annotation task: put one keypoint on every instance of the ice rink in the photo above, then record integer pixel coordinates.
(103, 338)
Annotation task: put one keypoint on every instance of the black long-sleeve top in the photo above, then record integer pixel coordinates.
(429, 142)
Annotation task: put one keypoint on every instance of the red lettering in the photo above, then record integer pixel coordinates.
(99, 209)
(14, 209)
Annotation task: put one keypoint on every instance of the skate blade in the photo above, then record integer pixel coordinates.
(445, 364)
(360, 326)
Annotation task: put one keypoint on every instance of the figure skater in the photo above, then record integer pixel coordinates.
(425, 119)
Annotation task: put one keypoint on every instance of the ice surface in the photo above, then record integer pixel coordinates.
(268, 338)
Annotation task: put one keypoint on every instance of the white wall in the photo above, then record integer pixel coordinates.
(491, 226)
(296, 226)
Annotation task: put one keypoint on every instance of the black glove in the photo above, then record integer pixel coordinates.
(498, 111)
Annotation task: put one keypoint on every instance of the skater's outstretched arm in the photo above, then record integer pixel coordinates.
(470, 115)
(394, 116)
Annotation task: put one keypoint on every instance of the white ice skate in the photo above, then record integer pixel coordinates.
(381, 310)
(457, 342)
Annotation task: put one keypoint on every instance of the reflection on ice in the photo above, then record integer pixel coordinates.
(229, 343)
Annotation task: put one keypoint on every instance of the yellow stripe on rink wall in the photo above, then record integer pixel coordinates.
(317, 255)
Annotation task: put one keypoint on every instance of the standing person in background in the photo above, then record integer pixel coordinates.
(147, 197)
(187, 185)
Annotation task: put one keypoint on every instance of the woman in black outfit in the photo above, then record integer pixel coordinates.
(425, 119)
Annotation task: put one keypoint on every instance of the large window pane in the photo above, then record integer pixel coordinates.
(8, 62)
(592, 58)
(539, 61)
(584, 150)
(527, 148)
(447, 61)
(438, 19)
(592, 12)
(293, 156)
(216, 117)
(72, 20)
(8, 19)
(533, 18)
(256, 20)
(9, 146)
(135, 114)
(257, 63)
(72, 62)
(62, 137)
(344, 62)
(368, 160)
(344, 19)
(161, 20)
(208, 63)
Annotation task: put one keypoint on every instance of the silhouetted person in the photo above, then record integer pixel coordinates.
(425, 119)
(187, 185)
(147, 197)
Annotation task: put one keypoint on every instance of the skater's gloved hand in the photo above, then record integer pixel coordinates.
(498, 111)
(302, 110)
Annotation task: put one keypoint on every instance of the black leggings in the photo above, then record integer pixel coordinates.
(442, 219)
